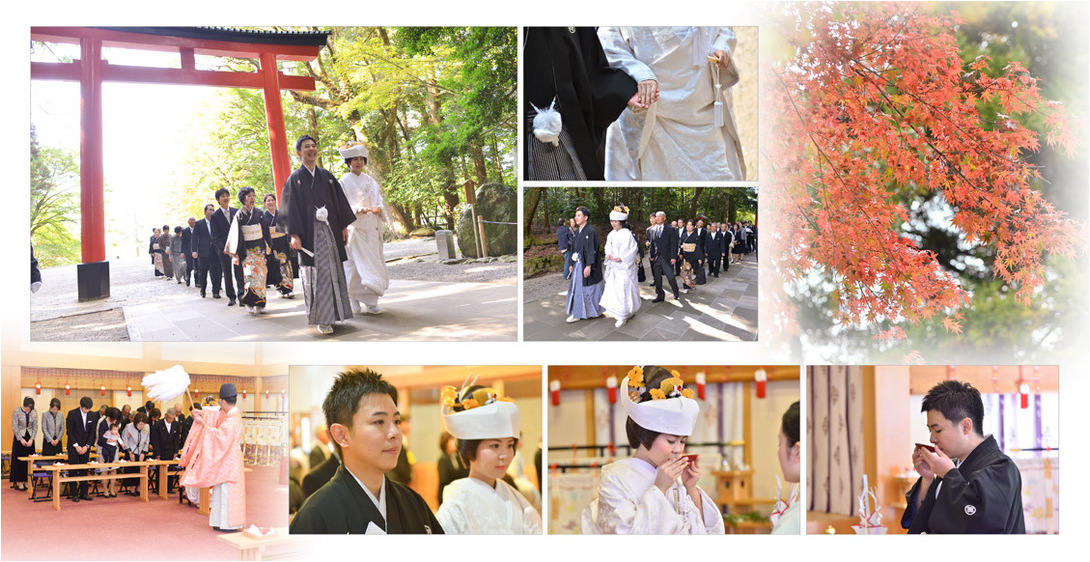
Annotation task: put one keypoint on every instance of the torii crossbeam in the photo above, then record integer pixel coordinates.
(91, 71)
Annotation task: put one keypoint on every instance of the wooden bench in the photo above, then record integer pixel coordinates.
(30, 460)
(56, 470)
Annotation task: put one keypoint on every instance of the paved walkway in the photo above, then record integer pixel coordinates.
(162, 310)
(725, 309)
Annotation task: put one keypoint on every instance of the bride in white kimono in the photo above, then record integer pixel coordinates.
(365, 269)
(654, 492)
(688, 133)
(487, 429)
(621, 296)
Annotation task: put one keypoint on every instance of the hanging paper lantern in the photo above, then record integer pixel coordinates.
(554, 392)
(701, 385)
(197, 394)
(67, 390)
(128, 390)
(611, 389)
(1023, 391)
(38, 388)
(244, 394)
(266, 394)
(102, 389)
(995, 378)
(761, 378)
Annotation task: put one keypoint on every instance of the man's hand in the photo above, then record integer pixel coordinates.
(647, 92)
(296, 243)
(586, 272)
(938, 463)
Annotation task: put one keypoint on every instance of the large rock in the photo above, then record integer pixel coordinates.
(495, 202)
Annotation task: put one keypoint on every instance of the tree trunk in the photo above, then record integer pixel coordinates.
(694, 202)
(533, 197)
(480, 167)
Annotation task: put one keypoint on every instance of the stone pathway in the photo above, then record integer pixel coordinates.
(725, 309)
(160, 310)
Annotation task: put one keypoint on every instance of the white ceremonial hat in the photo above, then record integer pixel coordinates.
(353, 149)
(672, 416)
(617, 216)
(492, 419)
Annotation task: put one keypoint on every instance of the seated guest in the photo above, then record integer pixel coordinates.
(365, 424)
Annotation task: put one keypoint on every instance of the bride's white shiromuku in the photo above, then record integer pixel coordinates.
(621, 295)
(681, 136)
(365, 269)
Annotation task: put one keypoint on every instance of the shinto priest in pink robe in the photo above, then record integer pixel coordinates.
(212, 458)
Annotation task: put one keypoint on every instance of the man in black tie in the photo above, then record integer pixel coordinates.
(80, 426)
(714, 249)
(187, 250)
(208, 262)
(664, 248)
(221, 227)
(702, 233)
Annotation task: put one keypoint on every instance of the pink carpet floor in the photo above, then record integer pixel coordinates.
(125, 528)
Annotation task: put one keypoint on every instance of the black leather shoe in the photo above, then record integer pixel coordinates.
(86, 498)
(231, 302)
(659, 299)
(202, 293)
(74, 498)
(215, 295)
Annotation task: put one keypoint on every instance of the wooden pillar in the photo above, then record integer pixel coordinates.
(93, 275)
(274, 115)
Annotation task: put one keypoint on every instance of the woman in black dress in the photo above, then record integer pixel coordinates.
(24, 427)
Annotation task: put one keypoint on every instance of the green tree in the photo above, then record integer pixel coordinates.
(54, 203)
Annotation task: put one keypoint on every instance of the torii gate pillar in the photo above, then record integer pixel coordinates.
(93, 275)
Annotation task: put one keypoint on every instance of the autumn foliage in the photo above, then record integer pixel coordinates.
(876, 110)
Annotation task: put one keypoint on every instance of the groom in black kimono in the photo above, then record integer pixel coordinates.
(365, 430)
(982, 492)
(308, 189)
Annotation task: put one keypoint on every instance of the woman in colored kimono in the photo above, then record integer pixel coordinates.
(654, 492)
(248, 245)
(487, 429)
(283, 266)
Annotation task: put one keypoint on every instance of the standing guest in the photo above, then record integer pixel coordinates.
(187, 250)
(24, 427)
(647, 241)
(166, 437)
(739, 243)
(206, 255)
(221, 220)
(365, 424)
(450, 463)
(318, 215)
(179, 414)
(319, 474)
(248, 246)
(80, 426)
(365, 269)
(663, 255)
(52, 429)
(728, 240)
(982, 491)
(715, 249)
(621, 293)
(563, 243)
(788, 519)
(108, 444)
(319, 450)
(164, 251)
(702, 232)
(680, 234)
(282, 262)
(135, 437)
(177, 255)
(585, 289)
(126, 417)
(487, 427)
(692, 250)
(655, 491)
(213, 458)
(403, 472)
(156, 254)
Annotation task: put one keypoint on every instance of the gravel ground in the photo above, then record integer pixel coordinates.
(543, 286)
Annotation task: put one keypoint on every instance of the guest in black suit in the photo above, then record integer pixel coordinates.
(319, 475)
(663, 255)
(563, 243)
(680, 231)
(715, 249)
(166, 436)
(80, 426)
(187, 250)
(705, 240)
(208, 263)
(221, 227)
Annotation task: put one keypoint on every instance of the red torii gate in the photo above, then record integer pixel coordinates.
(91, 71)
